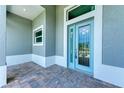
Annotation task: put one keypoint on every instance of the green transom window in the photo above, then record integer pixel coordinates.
(80, 10)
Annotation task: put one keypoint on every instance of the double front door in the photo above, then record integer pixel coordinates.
(80, 46)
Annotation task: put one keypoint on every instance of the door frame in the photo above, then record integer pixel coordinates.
(97, 15)
(85, 69)
(73, 64)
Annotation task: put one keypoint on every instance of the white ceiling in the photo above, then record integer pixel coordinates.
(27, 11)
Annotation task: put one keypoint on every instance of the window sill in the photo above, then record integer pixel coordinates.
(37, 44)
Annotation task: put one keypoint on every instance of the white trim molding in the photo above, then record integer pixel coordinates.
(43, 61)
(40, 60)
(18, 59)
(60, 60)
(33, 36)
(111, 74)
(3, 75)
(50, 60)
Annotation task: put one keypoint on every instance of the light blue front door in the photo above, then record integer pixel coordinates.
(80, 46)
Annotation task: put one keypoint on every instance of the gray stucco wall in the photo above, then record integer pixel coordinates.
(60, 30)
(38, 21)
(53, 34)
(2, 35)
(113, 35)
(19, 35)
(50, 30)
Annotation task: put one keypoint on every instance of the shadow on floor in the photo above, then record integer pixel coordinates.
(10, 79)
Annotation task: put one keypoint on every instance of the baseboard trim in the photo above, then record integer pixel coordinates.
(43, 61)
(18, 59)
(110, 74)
(3, 75)
(60, 60)
(50, 61)
(40, 60)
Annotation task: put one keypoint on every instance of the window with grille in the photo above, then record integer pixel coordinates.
(38, 36)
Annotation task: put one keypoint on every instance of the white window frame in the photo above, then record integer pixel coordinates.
(72, 7)
(34, 38)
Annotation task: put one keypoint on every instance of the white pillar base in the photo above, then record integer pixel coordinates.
(3, 75)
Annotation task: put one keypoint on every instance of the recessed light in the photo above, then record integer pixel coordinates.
(24, 9)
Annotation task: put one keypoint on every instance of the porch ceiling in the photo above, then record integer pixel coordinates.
(27, 11)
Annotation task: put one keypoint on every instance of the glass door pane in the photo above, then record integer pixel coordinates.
(71, 46)
(84, 45)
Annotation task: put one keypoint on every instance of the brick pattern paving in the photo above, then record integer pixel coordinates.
(31, 75)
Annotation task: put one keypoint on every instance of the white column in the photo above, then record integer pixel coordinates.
(3, 70)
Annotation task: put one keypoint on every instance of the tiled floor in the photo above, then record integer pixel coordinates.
(32, 75)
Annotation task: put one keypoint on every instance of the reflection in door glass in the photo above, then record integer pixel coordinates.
(84, 45)
(71, 45)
